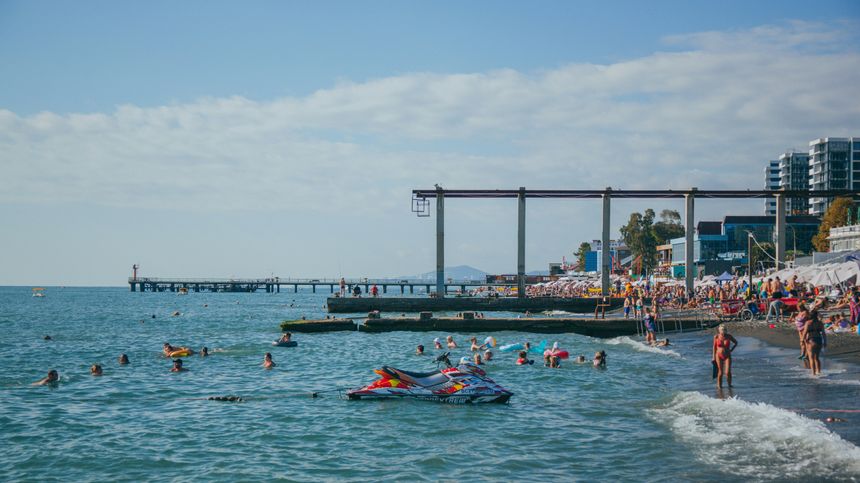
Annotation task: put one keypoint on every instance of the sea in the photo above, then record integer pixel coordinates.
(654, 414)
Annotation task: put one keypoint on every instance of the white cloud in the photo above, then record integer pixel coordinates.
(708, 115)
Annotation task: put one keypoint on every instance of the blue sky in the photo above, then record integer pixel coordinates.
(249, 138)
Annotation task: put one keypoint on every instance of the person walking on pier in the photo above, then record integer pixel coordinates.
(374, 291)
(356, 291)
(342, 287)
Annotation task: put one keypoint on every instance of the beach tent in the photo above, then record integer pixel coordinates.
(725, 277)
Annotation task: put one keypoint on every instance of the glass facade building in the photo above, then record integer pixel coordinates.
(834, 164)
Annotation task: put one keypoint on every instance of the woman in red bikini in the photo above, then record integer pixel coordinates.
(724, 344)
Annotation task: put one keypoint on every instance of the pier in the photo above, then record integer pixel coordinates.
(274, 285)
(347, 305)
(671, 322)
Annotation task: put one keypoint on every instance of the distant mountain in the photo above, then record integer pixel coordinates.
(460, 272)
(538, 273)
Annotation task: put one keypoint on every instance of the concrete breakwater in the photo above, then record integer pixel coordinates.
(612, 327)
(346, 305)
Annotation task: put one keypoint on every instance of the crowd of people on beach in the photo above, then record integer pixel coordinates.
(483, 353)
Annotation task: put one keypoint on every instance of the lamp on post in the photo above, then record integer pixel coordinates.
(750, 262)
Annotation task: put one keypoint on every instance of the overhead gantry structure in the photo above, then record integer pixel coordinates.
(421, 206)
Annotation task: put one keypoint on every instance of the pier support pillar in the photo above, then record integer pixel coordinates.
(314, 288)
(780, 231)
(331, 287)
(440, 243)
(521, 243)
(689, 231)
(132, 286)
(412, 289)
(296, 288)
(604, 245)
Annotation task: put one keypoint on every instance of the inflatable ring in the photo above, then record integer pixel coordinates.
(183, 352)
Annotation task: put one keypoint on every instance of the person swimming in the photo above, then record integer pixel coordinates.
(52, 378)
(123, 359)
(551, 357)
(204, 352)
(450, 341)
(599, 359)
(419, 350)
(177, 366)
(474, 347)
(47, 337)
(96, 370)
(488, 355)
(167, 348)
(437, 344)
(661, 343)
(476, 359)
(286, 337)
(580, 359)
(268, 363)
(523, 359)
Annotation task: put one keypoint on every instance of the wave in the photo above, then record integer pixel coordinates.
(641, 346)
(757, 440)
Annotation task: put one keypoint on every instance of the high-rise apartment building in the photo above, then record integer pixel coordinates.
(794, 175)
(834, 164)
(771, 182)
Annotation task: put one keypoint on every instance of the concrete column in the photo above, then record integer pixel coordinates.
(689, 231)
(521, 243)
(440, 243)
(780, 231)
(604, 240)
(132, 286)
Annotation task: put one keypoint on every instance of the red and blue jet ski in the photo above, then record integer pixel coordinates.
(463, 384)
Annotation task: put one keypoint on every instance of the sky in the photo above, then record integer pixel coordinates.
(234, 139)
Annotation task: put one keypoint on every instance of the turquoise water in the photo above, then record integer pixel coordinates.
(651, 415)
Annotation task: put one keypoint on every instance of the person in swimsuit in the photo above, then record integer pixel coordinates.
(488, 355)
(723, 346)
(286, 337)
(96, 370)
(599, 359)
(650, 328)
(419, 350)
(800, 320)
(437, 344)
(177, 366)
(123, 359)
(450, 341)
(813, 334)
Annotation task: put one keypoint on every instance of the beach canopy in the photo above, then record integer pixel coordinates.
(725, 277)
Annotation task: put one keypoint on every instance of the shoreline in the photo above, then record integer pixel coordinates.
(842, 347)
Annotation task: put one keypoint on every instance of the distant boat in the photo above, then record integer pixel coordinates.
(183, 291)
(38, 292)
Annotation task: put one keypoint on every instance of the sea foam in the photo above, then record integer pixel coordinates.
(641, 346)
(757, 440)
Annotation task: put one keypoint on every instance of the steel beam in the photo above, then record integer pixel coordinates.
(521, 244)
(689, 230)
(440, 243)
(604, 249)
(780, 231)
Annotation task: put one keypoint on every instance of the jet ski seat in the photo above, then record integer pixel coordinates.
(421, 378)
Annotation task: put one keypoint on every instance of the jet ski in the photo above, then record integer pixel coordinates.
(463, 384)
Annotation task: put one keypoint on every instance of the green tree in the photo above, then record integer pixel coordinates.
(584, 248)
(835, 216)
(639, 236)
(764, 253)
(668, 227)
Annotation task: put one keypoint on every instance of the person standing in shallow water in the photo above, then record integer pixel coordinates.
(721, 354)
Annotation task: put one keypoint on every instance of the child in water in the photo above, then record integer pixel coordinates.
(488, 355)
(419, 350)
(600, 359)
(436, 344)
(524, 359)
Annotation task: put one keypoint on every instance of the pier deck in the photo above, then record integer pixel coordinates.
(347, 305)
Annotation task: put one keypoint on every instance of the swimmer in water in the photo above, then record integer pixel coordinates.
(524, 359)
(204, 352)
(50, 379)
(96, 370)
(450, 341)
(419, 350)
(47, 337)
(527, 346)
(600, 359)
(662, 343)
(488, 355)
(476, 359)
(285, 337)
(474, 347)
(123, 359)
(580, 359)
(268, 363)
(437, 344)
(167, 348)
(177, 366)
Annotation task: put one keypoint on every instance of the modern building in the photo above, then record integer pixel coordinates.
(717, 251)
(834, 164)
(794, 175)
(771, 183)
(844, 238)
